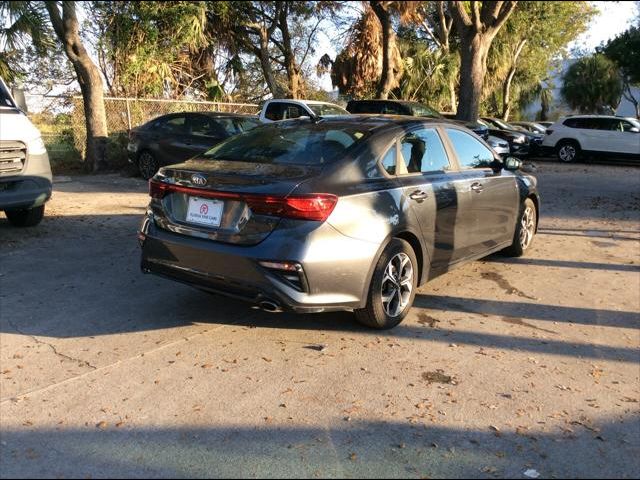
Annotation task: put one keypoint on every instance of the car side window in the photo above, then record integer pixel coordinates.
(471, 153)
(423, 152)
(390, 161)
(293, 111)
(175, 125)
(202, 126)
(274, 111)
(391, 109)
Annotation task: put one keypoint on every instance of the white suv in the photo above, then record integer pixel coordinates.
(587, 134)
(284, 109)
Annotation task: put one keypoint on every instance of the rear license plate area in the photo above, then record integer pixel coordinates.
(205, 212)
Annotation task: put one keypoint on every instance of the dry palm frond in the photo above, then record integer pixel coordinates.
(358, 67)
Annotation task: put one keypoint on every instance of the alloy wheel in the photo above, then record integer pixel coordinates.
(397, 284)
(567, 153)
(147, 165)
(527, 227)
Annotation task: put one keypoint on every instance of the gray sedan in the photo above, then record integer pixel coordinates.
(347, 213)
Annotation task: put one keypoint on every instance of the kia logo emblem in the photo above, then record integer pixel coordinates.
(198, 179)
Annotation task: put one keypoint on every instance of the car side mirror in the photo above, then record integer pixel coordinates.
(512, 164)
(634, 130)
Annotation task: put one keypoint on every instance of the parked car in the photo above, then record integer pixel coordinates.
(345, 213)
(571, 138)
(176, 137)
(518, 141)
(416, 109)
(532, 127)
(286, 109)
(534, 139)
(25, 172)
(500, 146)
(545, 124)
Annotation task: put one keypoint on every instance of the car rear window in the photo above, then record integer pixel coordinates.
(290, 143)
(325, 110)
(420, 110)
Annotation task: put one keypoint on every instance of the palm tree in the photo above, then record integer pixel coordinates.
(25, 25)
(592, 85)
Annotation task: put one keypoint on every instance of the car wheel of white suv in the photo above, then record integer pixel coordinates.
(568, 151)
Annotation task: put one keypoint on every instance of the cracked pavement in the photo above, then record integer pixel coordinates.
(504, 365)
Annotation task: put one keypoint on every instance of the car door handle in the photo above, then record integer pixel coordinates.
(418, 196)
(477, 187)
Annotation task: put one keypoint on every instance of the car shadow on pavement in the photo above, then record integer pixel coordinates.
(360, 449)
(544, 262)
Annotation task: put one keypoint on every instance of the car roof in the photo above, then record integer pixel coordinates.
(303, 102)
(377, 121)
(380, 100)
(615, 117)
(210, 114)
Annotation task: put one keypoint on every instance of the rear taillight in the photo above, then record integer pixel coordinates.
(158, 189)
(304, 207)
(316, 206)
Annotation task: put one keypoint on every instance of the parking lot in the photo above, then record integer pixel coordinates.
(504, 366)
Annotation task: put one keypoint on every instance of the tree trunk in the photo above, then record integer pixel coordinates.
(452, 95)
(290, 64)
(262, 52)
(66, 27)
(506, 88)
(473, 65)
(386, 79)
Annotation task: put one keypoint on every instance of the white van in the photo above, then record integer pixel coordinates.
(25, 172)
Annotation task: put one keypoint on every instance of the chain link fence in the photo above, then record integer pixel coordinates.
(61, 122)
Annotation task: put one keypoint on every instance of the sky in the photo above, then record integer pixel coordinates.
(614, 18)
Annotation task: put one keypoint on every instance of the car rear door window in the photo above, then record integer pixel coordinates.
(274, 111)
(202, 126)
(389, 161)
(423, 152)
(175, 125)
(392, 109)
(471, 153)
(293, 111)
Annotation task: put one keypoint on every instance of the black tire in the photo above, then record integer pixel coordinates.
(522, 241)
(375, 314)
(147, 164)
(27, 217)
(568, 151)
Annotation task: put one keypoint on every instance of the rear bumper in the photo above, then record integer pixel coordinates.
(337, 268)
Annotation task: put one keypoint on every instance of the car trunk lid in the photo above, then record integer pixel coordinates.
(232, 202)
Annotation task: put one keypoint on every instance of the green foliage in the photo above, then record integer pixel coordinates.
(592, 85)
(428, 72)
(624, 50)
(545, 29)
(150, 49)
(25, 27)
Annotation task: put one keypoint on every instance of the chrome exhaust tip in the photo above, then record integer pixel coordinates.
(269, 306)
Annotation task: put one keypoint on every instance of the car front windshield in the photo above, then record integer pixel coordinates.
(323, 110)
(295, 142)
(505, 125)
(421, 110)
(5, 98)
